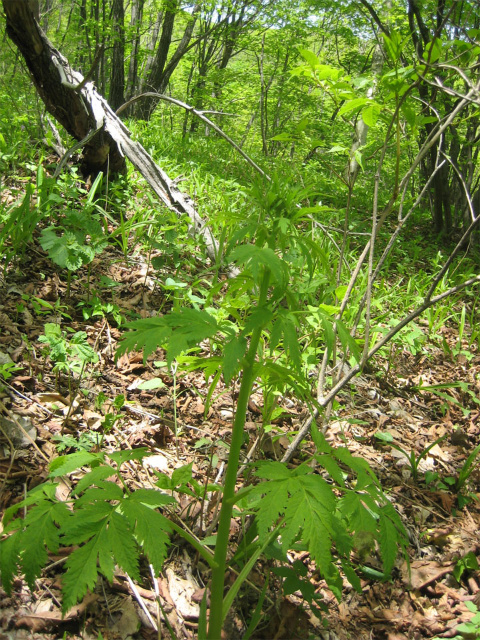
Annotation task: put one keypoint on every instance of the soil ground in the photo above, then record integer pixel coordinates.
(426, 597)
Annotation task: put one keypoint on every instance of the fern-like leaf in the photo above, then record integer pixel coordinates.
(9, 556)
(313, 513)
(151, 529)
(41, 532)
(82, 570)
(123, 544)
(178, 331)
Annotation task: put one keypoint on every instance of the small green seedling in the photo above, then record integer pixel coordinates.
(467, 469)
(469, 562)
(412, 458)
(69, 355)
(469, 629)
(8, 369)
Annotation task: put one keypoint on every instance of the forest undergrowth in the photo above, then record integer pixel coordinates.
(72, 388)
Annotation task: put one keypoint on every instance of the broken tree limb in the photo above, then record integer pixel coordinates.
(88, 118)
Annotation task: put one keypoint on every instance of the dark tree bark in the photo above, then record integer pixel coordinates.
(117, 81)
(61, 89)
(136, 23)
(158, 73)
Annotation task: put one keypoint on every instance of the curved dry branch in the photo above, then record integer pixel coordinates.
(201, 115)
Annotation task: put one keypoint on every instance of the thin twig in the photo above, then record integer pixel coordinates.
(141, 603)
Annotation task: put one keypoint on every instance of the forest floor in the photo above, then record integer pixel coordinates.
(428, 598)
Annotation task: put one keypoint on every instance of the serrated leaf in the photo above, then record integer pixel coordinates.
(66, 464)
(151, 530)
(123, 545)
(119, 457)
(55, 246)
(86, 522)
(388, 544)
(259, 317)
(147, 335)
(272, 470)
(177, 331)
(9, 555)
(41, 492)
(182, 475)
(273, 497)
(260, 258)
(104, 492)
(332, 468)
(93, 477)
(82, 571)
(35, 540)
(351, 576)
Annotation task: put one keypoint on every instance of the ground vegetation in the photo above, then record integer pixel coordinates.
(239, 357)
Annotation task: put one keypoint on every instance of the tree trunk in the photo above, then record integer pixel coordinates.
(60, 88)
(159, 71)
(117, 82)
(136, 23)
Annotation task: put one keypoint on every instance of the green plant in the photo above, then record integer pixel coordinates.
(43, 307)
(19, 221)
(7, 369)
(69, 355)
(467, 563)
(292, 508)
(296, 504)
(471, 629)
(467, 469)
(413, 459)
(111, 417)
(106, 519)
(75, 242)
(439, 391)
(77, 237)
(95, 307)
(85, 442)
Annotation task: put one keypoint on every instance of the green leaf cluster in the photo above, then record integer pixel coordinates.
(106, 523)
(67, 354)
(75, 242)
(327, 512)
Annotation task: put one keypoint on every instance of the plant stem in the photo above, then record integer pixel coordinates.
(223, 534)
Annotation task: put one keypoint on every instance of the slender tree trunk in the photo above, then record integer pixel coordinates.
(159, 72)
(117, 80)
(136, 23)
